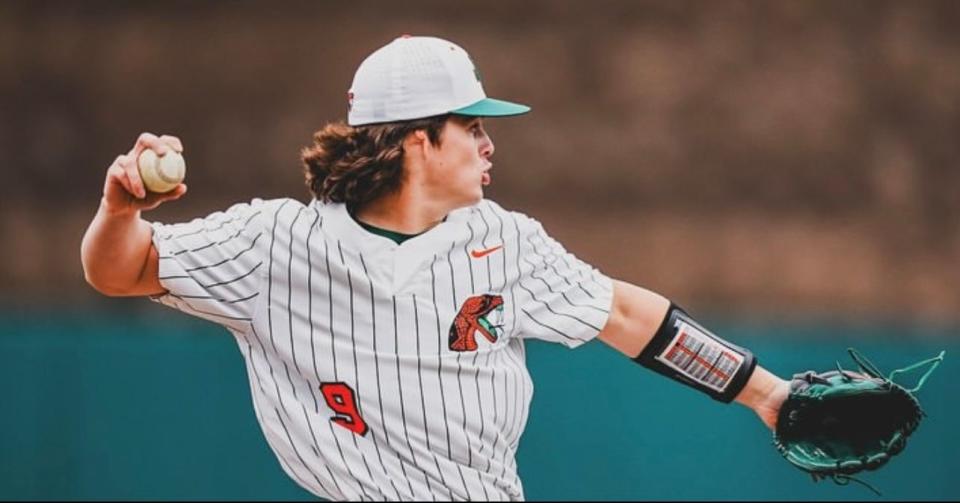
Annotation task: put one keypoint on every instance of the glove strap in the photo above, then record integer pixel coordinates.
(936, 363)
(871, 369)
(842, 480)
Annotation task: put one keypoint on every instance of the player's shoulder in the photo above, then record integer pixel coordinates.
(510, 220)
(265, 213)
(252, 217)
(259, 210)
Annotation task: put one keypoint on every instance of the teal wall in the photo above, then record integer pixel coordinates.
(105, 405)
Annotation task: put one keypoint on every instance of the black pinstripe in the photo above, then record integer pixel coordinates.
(442, 343)
(483, 242)
(231, 259)
(295, 451)
(279, 400)
(218, 315)
(562, 293)
(564, 260)
(538, 322)
(198, 231)
(211, 297)
(580, 272)
(273, 238)
(289, 278)
(315, 447)
(356, 370)
(423, 405)
(336, 373)
(211, 285)
(516, 426)
(403, 409)
(493, 388)
(534, 297)
(313, 350)
(218, 243)
(316, 451)
(443, 396)
(253, 368)
(317, 221)
(383, 422)
(270, 328)
(480, 417)
(519, 359)
(536, 251)
(508, 415)
(376, 364)
(501, 428)
(549, 308)
(463, 406)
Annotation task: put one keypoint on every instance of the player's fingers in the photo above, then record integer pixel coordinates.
(151, 141)
(178, 192)
(116, 176)
(129, 165)
(174, 194)
(173, 142)
(153, 200)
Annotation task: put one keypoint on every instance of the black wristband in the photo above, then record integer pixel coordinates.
(686, 352)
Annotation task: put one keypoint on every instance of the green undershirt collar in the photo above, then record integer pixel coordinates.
(396, 237)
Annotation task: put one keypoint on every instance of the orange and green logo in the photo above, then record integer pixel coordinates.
(476, 71)
(481, 314)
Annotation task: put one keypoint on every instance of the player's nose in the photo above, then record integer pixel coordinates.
(486, 147)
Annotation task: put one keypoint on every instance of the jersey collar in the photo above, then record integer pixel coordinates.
(339, 224)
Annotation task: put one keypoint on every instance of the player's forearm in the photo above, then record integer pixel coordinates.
(115, 251)
(638, 316)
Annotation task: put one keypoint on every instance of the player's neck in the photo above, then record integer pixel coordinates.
(403, 212)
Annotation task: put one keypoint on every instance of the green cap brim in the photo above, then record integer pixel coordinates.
(489, 107)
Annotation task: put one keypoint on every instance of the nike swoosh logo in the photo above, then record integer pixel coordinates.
(484, 253)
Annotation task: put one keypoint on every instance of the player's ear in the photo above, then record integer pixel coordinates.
(416, 142)
(414, 152)
(420, 136)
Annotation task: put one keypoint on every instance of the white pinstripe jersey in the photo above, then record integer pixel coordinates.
(377, 370)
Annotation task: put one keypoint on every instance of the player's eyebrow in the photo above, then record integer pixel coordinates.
(468, 121)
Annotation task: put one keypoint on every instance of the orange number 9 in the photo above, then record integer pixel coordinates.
(341, 399)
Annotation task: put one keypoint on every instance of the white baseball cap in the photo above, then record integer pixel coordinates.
(417, 77)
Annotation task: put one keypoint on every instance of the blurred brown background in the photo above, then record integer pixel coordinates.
(795, 158)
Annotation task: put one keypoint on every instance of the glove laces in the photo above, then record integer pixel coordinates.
(867, 367)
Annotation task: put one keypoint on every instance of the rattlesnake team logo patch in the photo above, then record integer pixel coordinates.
(482, 313)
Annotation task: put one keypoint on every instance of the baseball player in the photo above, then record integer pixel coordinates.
(383, 323)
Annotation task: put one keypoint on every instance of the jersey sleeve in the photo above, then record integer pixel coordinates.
(561, 298)
(212, 267)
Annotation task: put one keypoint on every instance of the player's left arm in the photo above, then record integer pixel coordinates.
(639, 316)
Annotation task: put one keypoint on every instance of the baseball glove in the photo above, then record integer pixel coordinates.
(835, 424)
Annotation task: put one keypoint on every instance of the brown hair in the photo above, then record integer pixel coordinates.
(356, 165)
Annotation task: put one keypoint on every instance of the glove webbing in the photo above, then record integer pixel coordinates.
(867, 367)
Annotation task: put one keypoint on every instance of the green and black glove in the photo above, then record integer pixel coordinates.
(837, 423)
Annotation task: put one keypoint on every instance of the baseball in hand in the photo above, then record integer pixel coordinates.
(161, 173)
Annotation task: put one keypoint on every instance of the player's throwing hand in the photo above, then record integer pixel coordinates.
(124, 191)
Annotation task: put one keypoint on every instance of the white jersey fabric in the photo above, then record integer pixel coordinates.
(377, 370)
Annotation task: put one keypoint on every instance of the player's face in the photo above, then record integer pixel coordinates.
(459, 167)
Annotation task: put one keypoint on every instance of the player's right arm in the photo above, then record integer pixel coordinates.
(117, 252)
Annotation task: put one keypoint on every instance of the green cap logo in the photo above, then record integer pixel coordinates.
(476, 72)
